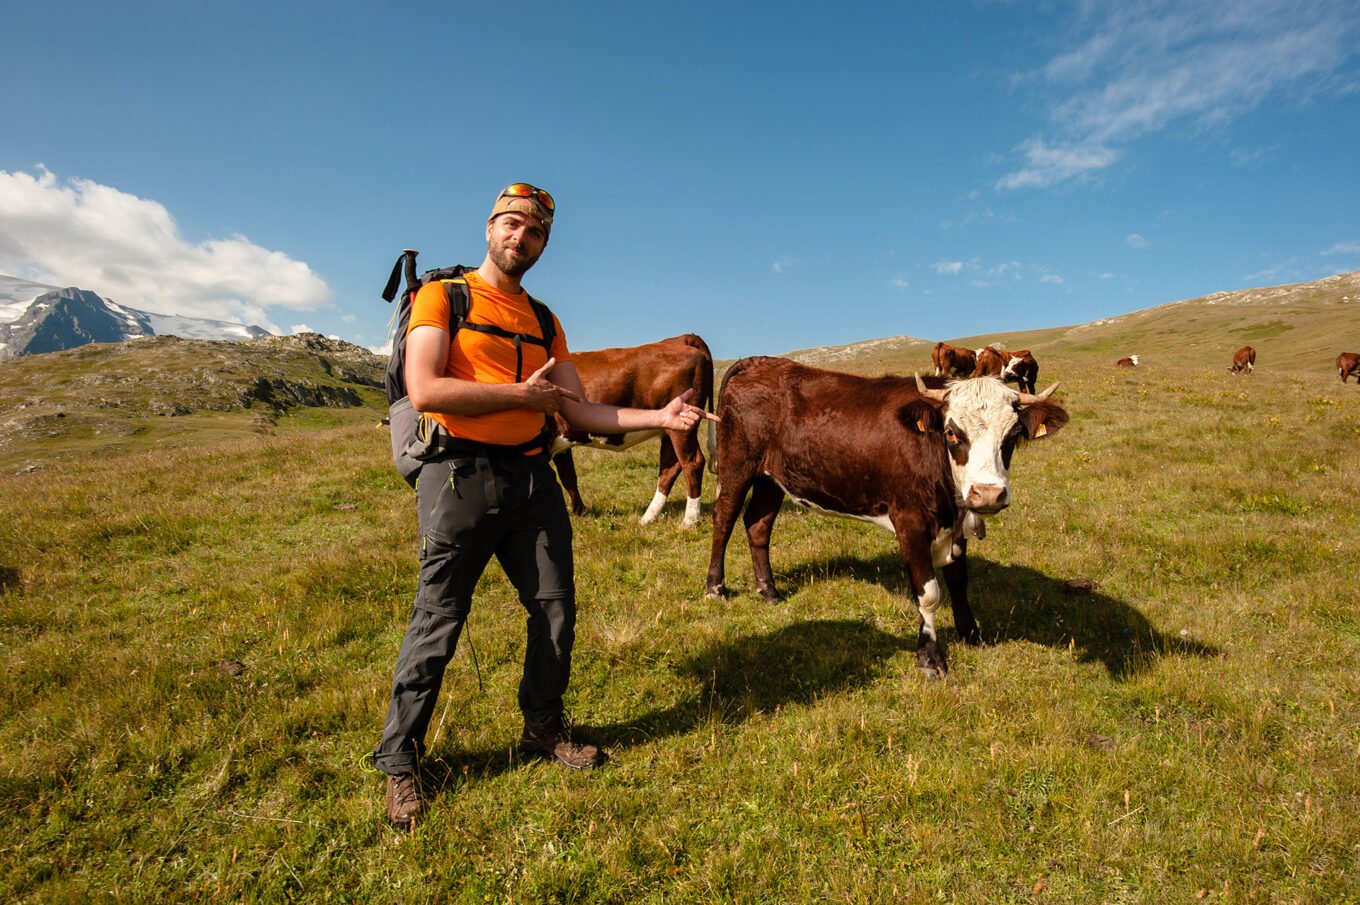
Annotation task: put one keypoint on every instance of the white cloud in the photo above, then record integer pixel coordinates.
(782, 264)
(300, 328)
(1139, 66)
(1343, 248)
(1105, 276)
(948, 267)
(1133, 240)
(1045, 166)
(899, 282)
(130, 249)
(1052, 278)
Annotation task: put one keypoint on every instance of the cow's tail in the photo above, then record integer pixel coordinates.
(711, 427)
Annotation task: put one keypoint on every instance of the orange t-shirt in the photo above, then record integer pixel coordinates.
(485, 358)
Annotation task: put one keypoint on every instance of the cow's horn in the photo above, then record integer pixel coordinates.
(926, 391)
(1027, 399)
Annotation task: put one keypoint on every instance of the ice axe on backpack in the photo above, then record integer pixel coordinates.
(408, 259)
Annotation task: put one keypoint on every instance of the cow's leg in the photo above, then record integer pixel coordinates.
(731, 494)
(916, 554)
(766, 498)
(956, 580)
(667, 471)
(566, 475)
(691, 455)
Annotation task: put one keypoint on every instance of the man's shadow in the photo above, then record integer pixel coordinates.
(810, 659)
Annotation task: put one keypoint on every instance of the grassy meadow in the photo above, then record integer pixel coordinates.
(198, 641)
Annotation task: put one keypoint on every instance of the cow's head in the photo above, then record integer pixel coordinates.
(981, 421)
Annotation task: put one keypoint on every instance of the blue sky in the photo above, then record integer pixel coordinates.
(771, 176)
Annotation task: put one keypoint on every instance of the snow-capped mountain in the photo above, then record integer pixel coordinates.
(36, 318)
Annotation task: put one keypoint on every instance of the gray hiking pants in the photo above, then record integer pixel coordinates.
(471, 509)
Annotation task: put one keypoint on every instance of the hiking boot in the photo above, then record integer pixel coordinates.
(553, 739)
(403, 800)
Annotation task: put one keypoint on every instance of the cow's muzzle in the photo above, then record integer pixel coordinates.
(987, 499)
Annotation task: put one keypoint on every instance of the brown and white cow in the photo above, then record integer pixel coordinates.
(1348, 363)
(647, 376)
(1130, 362)
(926, 460)
(1021, 368)
(1244, 359)
(990, 362)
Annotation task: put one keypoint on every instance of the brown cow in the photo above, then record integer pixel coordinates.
(1244, 359)
(1348, 363)
(990, 362)
(965, 360)
(923, 459)
(1130, 362)
(951, 361)
(1022, 369)
(646, 376)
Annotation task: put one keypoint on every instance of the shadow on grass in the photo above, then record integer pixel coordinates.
(1017, 603)
(9, 578)
(807, 660)
(753, 674)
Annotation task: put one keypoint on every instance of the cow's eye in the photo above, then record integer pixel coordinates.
(951, 436)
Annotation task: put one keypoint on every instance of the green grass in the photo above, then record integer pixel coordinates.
(197, 635)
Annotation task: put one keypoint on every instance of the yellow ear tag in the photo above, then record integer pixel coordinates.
(1040, 430)
(921, 423)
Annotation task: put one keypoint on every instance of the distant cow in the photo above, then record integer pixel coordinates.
(1130, 362)
(1021, 368)
(952, 361)
(923, 459)
(647, 376)
(965, 360)
(1348, 363)
(990, 362)
(1244, 359)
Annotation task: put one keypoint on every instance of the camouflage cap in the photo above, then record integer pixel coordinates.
(527, 201)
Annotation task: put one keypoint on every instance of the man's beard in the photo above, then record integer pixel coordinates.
(510, 264)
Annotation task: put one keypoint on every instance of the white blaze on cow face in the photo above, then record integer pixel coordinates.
(981, 426)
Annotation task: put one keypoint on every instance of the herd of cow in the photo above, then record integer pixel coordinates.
(925, 458)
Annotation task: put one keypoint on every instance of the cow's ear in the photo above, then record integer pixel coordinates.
(922, 416)
(1042, 418)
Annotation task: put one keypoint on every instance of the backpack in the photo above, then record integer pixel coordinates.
(414, 435)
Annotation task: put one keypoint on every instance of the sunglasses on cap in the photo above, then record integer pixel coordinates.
(525, 190)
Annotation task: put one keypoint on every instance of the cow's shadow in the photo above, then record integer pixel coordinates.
(729, 682)
(1017, 603)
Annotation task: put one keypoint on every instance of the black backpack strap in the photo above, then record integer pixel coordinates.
(460, 309)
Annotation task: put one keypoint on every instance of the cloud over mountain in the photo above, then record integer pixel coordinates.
(81, 233)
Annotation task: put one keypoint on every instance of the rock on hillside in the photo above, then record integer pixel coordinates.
(125, 387)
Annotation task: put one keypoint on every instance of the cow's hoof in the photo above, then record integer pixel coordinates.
(931, 661)
(770, 594)
(716, 592)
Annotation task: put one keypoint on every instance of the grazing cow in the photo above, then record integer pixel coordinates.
(647, 376)
(1348, 363)
(1022, 369)
(941, 357)
(924, 463)
(965, 360)
(1130, 362)
(990, 362)
(1244, 359)
(952, 361)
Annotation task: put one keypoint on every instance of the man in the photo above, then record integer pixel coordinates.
(489, 490)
